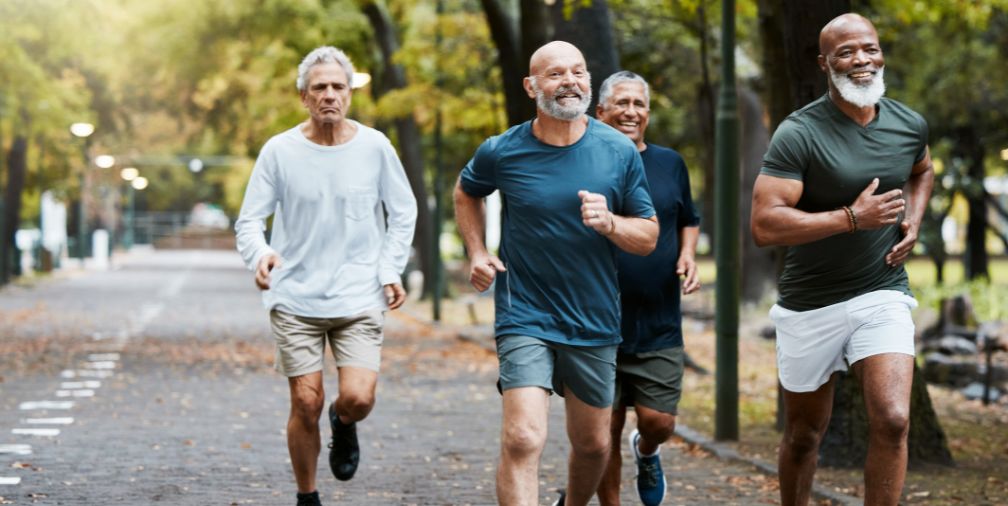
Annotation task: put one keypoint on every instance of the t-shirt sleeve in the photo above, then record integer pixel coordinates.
(636, 194)
(788, 152)
(688, 215)
(479, 176)
(924, 132)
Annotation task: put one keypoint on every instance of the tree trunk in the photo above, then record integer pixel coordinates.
(408, 135)
(16, 168)
(516, 40)
(759, 272)
(969, 147)
(846, 440)
(705, 122)
(589, 28)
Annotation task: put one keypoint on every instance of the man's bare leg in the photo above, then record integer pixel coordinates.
(588, 433)
(303, 440)
(356, 393)
(886, 380)
(807, 417)
(523, 437)
(609, 486)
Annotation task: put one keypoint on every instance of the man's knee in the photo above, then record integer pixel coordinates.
(891, 424)
(523, 440)
(356, 405)
(803, 438)
(306, 404)
(591, 445)
(656, 426)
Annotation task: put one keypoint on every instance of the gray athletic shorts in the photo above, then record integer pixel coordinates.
(588, 371)
(651, 379)
(300, 341)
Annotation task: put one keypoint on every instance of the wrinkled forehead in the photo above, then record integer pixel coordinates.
(846, 30)
(328, 72)
(632, 90)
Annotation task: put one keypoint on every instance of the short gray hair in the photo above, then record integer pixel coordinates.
(623, 76)
(320, 55)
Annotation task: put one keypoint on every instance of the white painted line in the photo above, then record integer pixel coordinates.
(67, 373)
(95, 357)
(100, 365)
(62, 420)
(75, 393)
(94, 374)
(35, 432)
(10, 480)
(71, 385)
(16, 449)
(45, 405)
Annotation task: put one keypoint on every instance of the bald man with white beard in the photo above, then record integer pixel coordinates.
(573, 190)
(844, 186)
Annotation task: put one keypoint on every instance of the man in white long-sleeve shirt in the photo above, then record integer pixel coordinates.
(334, 260)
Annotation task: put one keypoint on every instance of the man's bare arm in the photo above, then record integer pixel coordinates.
(470, 213)
(918, 191)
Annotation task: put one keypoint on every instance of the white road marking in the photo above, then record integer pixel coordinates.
(36, 432)
(16, 449)
(62, 420)
(95, 357)
(10, 480)
(94, 374)
(70, 385)
(75, 393)
(100, 365)
(29, 405)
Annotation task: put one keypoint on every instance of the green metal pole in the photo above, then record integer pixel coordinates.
(726, 226)
(437, 267)
(130, 210)
(81, 220)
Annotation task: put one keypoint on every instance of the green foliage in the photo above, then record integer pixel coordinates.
(990, 300)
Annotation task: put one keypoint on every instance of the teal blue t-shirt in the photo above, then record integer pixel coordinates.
(560, 284)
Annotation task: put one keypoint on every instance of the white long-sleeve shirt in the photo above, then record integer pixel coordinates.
(336, 246)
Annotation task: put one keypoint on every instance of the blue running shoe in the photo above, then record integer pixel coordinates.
(650, 478)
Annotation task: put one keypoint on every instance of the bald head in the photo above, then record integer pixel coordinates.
(842, 27)
(557, 52)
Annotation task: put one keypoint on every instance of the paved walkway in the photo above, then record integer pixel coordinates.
(182, 407)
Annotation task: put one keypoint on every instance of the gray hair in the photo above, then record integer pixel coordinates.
(623, 76)
(320, 55)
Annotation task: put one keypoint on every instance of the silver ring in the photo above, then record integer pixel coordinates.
(594, 214)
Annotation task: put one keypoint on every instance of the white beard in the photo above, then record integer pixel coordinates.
(553, 108)
(859, 95)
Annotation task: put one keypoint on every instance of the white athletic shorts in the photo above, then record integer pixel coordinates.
(812, 345)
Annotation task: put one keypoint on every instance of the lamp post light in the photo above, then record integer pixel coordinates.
(129, 174)
(82, 131)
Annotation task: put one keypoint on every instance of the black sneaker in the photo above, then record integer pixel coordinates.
(344, 452)
(310, 499)
(560, 500)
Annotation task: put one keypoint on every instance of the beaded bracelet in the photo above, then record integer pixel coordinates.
(851, 218)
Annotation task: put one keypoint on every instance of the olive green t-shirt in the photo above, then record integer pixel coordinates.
(835, 158)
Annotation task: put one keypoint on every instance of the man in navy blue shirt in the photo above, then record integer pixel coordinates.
(649, 364)
(574, 194)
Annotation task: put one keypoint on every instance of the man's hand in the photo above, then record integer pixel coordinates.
(595, 212)
(901, 251)
(686, 269)
(877, 211)
(483, 270)
(395, 295)
(262, 274)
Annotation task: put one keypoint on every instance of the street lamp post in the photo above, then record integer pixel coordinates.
(82, 131)
(129, 174)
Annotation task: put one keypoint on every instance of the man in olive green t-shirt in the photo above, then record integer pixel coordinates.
(832, 190)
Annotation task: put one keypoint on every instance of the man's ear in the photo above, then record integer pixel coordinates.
(527, 84)
(823, 65)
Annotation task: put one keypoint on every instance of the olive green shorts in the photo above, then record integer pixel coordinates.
(652, 379)
(587, 371)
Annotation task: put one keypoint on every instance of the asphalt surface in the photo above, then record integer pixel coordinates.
(163, 366)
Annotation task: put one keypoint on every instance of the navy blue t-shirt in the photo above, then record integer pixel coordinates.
(649, 285)
(560, 284)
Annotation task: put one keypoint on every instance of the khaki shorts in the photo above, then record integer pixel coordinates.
(355, 341)
(651, 379)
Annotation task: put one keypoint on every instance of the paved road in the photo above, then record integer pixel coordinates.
(159, 382)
